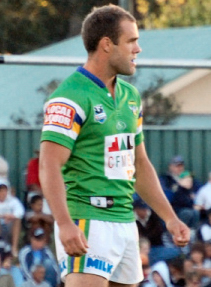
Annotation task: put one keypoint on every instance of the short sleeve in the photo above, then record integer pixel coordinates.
(63, 119)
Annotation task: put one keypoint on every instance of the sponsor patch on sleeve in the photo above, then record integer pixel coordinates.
(60, 115)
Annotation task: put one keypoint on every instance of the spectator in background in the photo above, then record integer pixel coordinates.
(150, 226)
(37, 252)
(207, 246)
(11, 214)
(144, 247)
(45, 206)
(183, 201)
(169, 180)
(8, 267)
(38, 276)
(148, 223)
(207, 261)
(6, 280)
(198, 263)
(204, 231)
(35, 217)
(33, 183)
(4, 247)
(4, 168)
(203, 196)
(193, 279)
(160, 276)
(177, 274)
(32, 174)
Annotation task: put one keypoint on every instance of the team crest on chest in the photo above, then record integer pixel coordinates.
(99, 114)
(121, 125)
(133, 107)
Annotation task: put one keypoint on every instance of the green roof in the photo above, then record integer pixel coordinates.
(19, 84)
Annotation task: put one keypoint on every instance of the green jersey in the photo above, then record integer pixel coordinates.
(101, 133)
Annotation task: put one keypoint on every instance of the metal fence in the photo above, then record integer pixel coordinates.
(193, 144)
(77, 61)
(18, 146)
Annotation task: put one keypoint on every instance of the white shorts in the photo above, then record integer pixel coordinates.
(113, 252)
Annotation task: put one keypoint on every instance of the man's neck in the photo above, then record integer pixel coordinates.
(107, 78)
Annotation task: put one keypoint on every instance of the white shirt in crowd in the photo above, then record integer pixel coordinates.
(12, 205)
(203, 197)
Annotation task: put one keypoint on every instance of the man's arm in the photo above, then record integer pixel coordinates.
(149, 188)
(52, 157)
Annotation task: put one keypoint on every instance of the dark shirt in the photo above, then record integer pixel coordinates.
(182, 199)
(179, 283)
(170, 184)
(153, 229)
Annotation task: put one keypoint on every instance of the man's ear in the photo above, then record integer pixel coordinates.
(105, 44)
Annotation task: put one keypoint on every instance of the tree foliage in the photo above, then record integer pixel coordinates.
(46, 91)
(173, 13)
(157, 108)
(26, 25)
(21, 119)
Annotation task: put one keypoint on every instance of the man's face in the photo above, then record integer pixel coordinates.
(142, 212)
(186, 182)
(176, 169)
(194, 282)
(39, 274)
(157, 279)
(37, 206)
(37, 244)
(3, 193)
(209, 219)
(7, 263)
(197, 257)
(123, 55)
(208, 245)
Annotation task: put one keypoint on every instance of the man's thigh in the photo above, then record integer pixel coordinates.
(91, 280)
(113, 284)
(113, 254)
(83, 279)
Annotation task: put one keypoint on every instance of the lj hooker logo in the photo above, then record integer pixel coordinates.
(59, 114)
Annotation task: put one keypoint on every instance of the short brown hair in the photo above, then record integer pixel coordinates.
(192, 276)
(198, 247)
(103, 22)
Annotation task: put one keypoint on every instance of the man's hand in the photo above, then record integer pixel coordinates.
(179, 231)
(73, 239)
(9, 217)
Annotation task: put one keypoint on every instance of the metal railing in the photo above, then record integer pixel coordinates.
(77, 61)
(17, 144)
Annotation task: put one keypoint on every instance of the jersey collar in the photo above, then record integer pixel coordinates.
(92, 77)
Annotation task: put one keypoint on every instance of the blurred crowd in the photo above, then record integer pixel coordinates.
(27, 254)
(164, 264)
